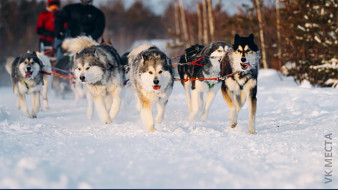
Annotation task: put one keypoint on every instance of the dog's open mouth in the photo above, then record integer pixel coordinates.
(156, 87)
(28, 74)
(244, 66)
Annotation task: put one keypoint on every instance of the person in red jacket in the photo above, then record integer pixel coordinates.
(45, 26)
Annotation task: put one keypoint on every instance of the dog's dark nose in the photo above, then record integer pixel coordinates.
(82, 78)
(28, 68)
(243, 59)
(156, 81)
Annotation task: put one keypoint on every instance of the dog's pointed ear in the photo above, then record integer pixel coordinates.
(144, 57)
(110, 42)
(168, 61)
(236, 37)
(96, 54)
(34, 54)
(251, 37)
(101, 41)
(28, 51)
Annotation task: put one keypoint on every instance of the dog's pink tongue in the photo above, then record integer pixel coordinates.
(156, 87)
(28, 74)
(246, 64)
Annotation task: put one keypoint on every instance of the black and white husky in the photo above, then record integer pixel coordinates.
(151, 76)
(192, 76)
(31, 74)
(242, 63)
(99, 67)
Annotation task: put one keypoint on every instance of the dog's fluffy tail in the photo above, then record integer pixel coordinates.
(75, 45)
(9, 63)
(138, 50)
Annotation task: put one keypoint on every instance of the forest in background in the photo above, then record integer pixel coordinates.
(299, 38)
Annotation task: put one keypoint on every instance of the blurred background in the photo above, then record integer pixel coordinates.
(298, 38)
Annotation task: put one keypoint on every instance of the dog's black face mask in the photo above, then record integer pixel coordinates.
(245, 50)
(243, 41)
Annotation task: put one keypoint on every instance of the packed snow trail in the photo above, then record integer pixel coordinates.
(63, 149)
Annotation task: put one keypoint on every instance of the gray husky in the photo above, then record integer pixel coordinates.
(208, 67)
(31, 73)
(241, 63)
(151, 76)
(99, 67)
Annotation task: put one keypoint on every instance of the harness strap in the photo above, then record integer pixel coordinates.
(45, 73)
(241, 86)
(210, 85)
(24, 83)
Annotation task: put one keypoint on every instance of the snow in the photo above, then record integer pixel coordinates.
(63, 149)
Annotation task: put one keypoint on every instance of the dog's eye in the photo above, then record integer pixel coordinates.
(160, 72)
(247, 51)
(87, 68)
(79, 69)
(150, 72)
(239, 51)
(219, 50)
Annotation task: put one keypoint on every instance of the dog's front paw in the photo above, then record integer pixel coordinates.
(233, 125)
(158, 119)
(203, 117)
(107, 121)
(252, 132)
(151, 128)
(33, 116)
(192, 116)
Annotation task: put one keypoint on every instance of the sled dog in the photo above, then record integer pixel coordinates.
(31, 74)
(99, 67)
(242, 62)
(151, 76)
(207, 67)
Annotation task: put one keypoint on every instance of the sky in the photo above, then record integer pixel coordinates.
(158, 6)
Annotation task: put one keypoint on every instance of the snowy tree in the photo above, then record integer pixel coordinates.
(310, 33)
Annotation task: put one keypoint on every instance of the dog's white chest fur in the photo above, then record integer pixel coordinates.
(28, 87)
(234, 85)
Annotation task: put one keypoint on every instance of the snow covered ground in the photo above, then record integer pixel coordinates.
(63, 149)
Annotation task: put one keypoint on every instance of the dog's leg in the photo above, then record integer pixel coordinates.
(138, 105)
(90, 104)
(115, 107)
(76, 94)
(229, 99)
(101, 109)
(45, 87)
(210, 97)
(35, 103)
(194, 104)
(23, 105)
(187, 87)
(162, 103)
(252, 100)
(200, 101)
(18, 103)
(147, 115)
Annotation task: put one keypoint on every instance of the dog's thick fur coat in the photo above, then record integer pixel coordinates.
(211, 56)
(242, 60)
(99, 67)
(151, 76)
(31, 74)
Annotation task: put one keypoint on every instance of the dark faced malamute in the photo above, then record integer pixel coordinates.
(151, 76)
(192, 76)
(99, 67)
(31, 73)
(242, 63)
